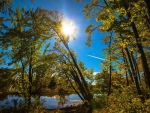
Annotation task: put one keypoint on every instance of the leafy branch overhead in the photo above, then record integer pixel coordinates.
(36, 57)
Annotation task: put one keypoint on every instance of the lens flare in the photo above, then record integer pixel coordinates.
(68, 28)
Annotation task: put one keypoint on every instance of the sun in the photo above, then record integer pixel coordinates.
(68, 28)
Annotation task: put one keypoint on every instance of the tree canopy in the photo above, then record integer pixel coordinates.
(36, 58)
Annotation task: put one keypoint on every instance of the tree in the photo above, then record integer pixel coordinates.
(75, 73)
(129, 45)
(27, 42)
(7, 79)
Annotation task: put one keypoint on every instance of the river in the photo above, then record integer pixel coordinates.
(48, 102)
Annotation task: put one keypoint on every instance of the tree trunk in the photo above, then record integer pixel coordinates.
(74, 88)
(125, 61)
(127, 79)
(109, 89)
(76, 73)
(90, 110)
(135, 76)
(89, 96)
(22, 76)
(136, 66)
(140, 48)
(148, 6)
(130, 73)
(30, 79)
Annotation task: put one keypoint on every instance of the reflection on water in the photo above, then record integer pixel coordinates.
(57, 101)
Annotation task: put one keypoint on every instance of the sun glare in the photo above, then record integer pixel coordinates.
(68, 28)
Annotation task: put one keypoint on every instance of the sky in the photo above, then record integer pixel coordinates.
(72, 10)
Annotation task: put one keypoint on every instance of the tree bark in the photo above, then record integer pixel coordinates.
(22, 77)
(90, 110)
(135, 76)
(74, 88)
(148, 6)
(125, 61)
(110, 73)
(89, 96)
(140, 48)
(136, 66)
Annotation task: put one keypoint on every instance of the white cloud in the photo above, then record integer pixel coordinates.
(94, 73)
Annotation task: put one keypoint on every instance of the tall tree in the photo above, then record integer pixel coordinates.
(75, 71)
(122, 17)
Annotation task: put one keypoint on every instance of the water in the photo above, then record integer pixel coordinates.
(48, 102)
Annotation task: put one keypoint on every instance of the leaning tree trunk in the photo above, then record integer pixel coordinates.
(125, 62)
(139, 46)
(22, 77)
(136, 66)
(90, 110)
(148, 6)
(134, 75)
(77, 71)
(110, 66)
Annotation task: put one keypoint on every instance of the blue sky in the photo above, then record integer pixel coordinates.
(73, 11)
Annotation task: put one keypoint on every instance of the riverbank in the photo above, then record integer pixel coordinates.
(65, 103)
(81, 108)
(5, 94)
(37, 108)
(75, 109)
(71, 109)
